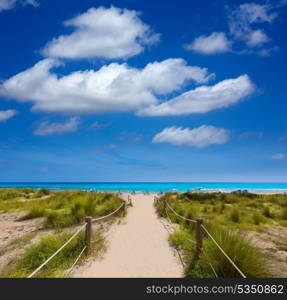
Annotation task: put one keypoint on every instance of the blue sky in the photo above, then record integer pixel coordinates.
(138, 90)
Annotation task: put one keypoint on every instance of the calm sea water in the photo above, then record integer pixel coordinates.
(154, 186)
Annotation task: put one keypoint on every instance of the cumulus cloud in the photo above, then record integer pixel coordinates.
(33, 3)
(10, 4)
(216, 42)
(7, 4)
(200, 137)
(49, 128)
(114, 87)
(7, 114)
(103, 32)
(243, 19)
(278, 156)
(204, 98)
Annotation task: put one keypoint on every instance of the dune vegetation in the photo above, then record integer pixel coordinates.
(59, 266)
(62, 212)
(60, 209)
(227, 217)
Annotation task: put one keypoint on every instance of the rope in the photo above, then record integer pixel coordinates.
(224, 253)
(60, 249)
(103, 217)
(177, 251)
(211, 266)
(167, 215)
(187, 219)
(73, 265)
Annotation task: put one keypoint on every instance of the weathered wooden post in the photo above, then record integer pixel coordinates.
(198, 237)
(88, 232)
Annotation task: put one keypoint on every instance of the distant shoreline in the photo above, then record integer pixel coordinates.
(156, 187)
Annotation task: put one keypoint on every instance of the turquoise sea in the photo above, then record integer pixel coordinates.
(153, 186)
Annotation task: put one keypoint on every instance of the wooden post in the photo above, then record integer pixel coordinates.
(88, 232)
(198, 237)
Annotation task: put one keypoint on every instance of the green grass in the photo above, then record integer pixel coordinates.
(60, 209)
(212, 263)
(238, 213)
(38, 253)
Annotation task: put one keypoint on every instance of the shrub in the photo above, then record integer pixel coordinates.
(246, 256)
(235, 216)
(181, 239)
(222, 207)
(59, 218)
(43, 192)
(284, 213)
(35, 211)
(266, 212)
(258, 218)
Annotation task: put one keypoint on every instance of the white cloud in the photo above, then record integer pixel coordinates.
(7, 4)
(103, 32)
(243, 19)
(114, 87)
(10, 4)
(256, 38)
(7, 114)
(48, 128)
(278, 156)
(200, 137)
(33, 3)
(204, 98)
(216, 42)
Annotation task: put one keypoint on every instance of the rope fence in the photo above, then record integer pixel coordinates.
(199, 229)
(77, 259)
(112, 213)
(182, 217)
(88, 234)
(59, 250)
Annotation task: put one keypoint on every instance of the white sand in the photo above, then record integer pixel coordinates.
(136, 248)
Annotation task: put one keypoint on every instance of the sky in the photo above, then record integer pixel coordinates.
(135, 90)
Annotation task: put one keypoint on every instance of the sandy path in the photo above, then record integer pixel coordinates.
(136, 248)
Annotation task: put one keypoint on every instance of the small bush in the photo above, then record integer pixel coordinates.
(266, 212)
(247, 257)
(42, 192)
(181, 240)
(222, 207)
(284, 213)
(59, 218)
(35, 211)
(235, 215)
(258, 218)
